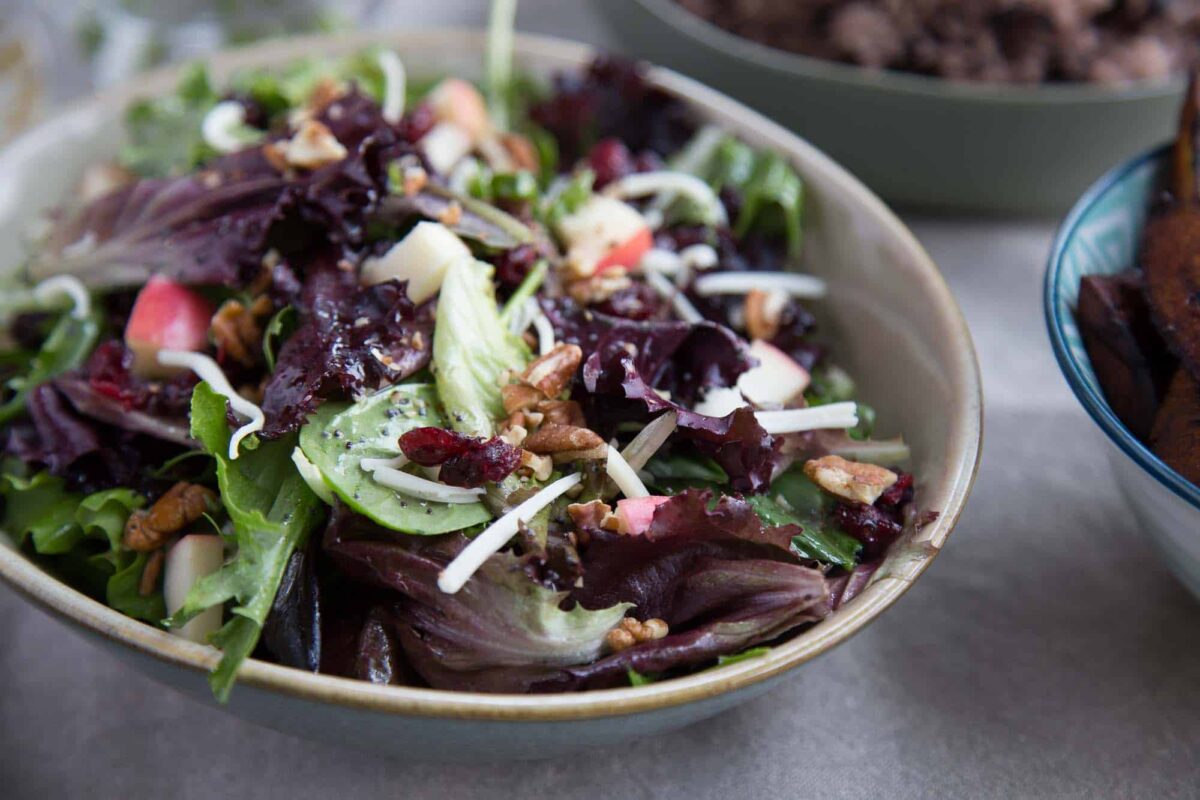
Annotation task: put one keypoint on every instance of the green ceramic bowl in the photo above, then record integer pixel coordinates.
(917, 141)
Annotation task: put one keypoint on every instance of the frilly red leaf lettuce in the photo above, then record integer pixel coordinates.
(628, 362)
(351, 340)
(721, 580)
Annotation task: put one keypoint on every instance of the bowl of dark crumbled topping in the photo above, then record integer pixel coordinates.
(984, 105)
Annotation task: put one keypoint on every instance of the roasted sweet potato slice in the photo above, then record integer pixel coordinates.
(1176, 434)
(1170, 252)
(1130, 358)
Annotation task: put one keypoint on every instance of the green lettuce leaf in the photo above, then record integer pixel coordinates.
(68, 345)
(795, 500)
(272, 511)
(122, 591)
(372, 428)
(41, 510)
(164, 133)
(472, 348)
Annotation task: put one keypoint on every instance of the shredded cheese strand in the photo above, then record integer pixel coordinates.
(541, 324)
(641, 184)
(65, 286)
(795, 420)
(692, 160)
(395, 84)
(802, 286)
(683, 307)
(208, 371)
(496, 535)
(422, 488)
(624, 475)
(220, 125)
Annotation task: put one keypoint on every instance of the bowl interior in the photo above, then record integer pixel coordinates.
(711, 35)
(1100, 237)
(897, 327)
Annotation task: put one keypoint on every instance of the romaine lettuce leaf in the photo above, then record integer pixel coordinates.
(340, 435)
(471, 348)
(272, 511)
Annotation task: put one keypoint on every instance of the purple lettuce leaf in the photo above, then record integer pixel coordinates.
(628, 362)
(351, 340)
(721, 580)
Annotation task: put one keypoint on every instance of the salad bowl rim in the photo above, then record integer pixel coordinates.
(961, 461)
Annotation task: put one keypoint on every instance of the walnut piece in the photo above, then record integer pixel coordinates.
(313, 146)
(850, 480)
(632, 631)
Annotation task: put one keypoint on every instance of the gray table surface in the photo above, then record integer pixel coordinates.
(1047, 653)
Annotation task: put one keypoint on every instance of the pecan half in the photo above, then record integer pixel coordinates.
(850, 480)
(550, 439)
(519, 397)
(237, 330)
(183, 504)
(552, 373)
(562, 412)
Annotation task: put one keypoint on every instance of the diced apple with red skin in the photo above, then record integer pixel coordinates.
(777, 380)
(166, 316)
(459, 103)
(634, 514)
(604, 234)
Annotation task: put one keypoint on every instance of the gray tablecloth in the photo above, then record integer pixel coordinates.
(1047, 652)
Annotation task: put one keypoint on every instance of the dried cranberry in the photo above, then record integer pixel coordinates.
(486, 461)
(417, 123)
(636, 302)
(513, 265)
(432, 446)
(107, 370)
(466, 461)
(610, 160)
(899, 494)
(872, 526)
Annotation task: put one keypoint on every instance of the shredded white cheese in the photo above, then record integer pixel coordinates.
(496, 535)
(624, 475)
(312, 476)
(679, 265)
(683, 307)
(541, 324)
(692, 159)
(649, 439)
(395, 84)
(421, 488)
(803, 286)
(642, 184)
(208, 371)
(224, 127)
(65, 286)
(795, 420)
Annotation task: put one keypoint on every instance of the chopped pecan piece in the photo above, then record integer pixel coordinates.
(562, 412)
(850, 480)
(551, 439)
(183, 504)
(519, 397)
(313, 146)
(763, 311)
(589, 515)
(149, 580)
(552, 373)
(536, 466)
(237, 330)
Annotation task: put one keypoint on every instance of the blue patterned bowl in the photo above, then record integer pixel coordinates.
(1100, 237)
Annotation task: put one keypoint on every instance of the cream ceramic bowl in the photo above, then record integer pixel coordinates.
(897, 328)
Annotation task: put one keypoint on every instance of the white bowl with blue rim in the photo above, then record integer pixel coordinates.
(1100, 236)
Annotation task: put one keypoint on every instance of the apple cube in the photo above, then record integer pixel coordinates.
(458, 102)
(603, 234)
(777, 380)
(421, 258)
(444, 146)
(634, 514)
(192, 558)
(166, 316)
